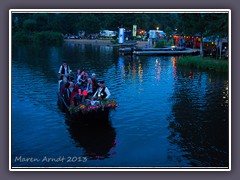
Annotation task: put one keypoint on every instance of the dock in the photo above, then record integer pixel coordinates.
(166, 52)
(158, 51)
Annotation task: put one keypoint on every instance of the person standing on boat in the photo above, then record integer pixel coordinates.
(102, 92)
(73, 94)
(95, 85)
(78, 76)
(82, 81)
(62, 85)
(67, 93)
(64, 71)
(89, 88)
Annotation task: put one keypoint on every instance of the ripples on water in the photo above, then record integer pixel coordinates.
(167, 117)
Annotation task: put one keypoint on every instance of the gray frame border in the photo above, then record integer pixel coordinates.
(220, 4)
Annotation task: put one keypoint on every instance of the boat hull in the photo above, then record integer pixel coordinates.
(97, 115)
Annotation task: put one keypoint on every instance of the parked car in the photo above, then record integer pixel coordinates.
(70, 36)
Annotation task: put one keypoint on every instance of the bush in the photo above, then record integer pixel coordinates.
(161, 44)
(46, 37)
(114, 41)
(21, 37)
(204, 64)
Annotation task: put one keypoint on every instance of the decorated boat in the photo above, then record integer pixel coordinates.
(93, 110)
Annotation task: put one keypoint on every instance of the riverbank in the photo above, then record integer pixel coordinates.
(205, 63)
(139, 44)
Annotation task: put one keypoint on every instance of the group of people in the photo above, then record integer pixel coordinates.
(76, 88)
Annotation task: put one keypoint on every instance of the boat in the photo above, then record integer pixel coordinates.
(88, 110)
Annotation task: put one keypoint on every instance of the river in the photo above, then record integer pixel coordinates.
(167, 117)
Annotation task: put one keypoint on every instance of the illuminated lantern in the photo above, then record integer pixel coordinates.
(85, 93)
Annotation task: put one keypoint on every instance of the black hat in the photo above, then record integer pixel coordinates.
(101, 82)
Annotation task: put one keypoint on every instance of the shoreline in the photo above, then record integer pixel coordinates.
(100, 42)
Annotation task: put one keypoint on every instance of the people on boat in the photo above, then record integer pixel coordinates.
(67, 93)
(78, 76)
(89, 88)
(95, 85)
(77, 98)
(64, 71)
(73, 94)
(102, 92)
(62, 85)
(82, 80)
(86, 79)
(71, 86)
(82, 88)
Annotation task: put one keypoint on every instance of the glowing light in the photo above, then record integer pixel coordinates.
(85, 93)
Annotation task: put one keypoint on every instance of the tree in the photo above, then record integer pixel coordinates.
(29, 25)
(204, 24)
(88, 22)
(168, 30)
(218, 26)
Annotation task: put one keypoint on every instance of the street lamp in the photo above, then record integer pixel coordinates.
(157, 28)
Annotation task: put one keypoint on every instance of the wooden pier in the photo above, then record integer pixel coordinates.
(158, 51)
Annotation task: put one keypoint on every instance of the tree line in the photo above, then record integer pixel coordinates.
(44, 24)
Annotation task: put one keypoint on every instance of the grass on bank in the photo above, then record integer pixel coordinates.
(205, 63)
(164, 43)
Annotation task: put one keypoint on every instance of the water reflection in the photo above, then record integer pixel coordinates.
(174, 66)
(131, 68)
(98, 140)
(158, 69)
(140, 71)
(195, 125)
(121, 66)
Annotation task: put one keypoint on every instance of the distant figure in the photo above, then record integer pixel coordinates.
(102, 92)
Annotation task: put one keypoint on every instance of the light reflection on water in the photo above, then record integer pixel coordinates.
(167, 117)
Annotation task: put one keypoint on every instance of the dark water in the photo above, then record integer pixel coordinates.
(167, 117)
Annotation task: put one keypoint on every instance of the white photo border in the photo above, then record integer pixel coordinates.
(117, 11)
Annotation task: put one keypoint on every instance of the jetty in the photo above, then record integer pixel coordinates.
(158, 51)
